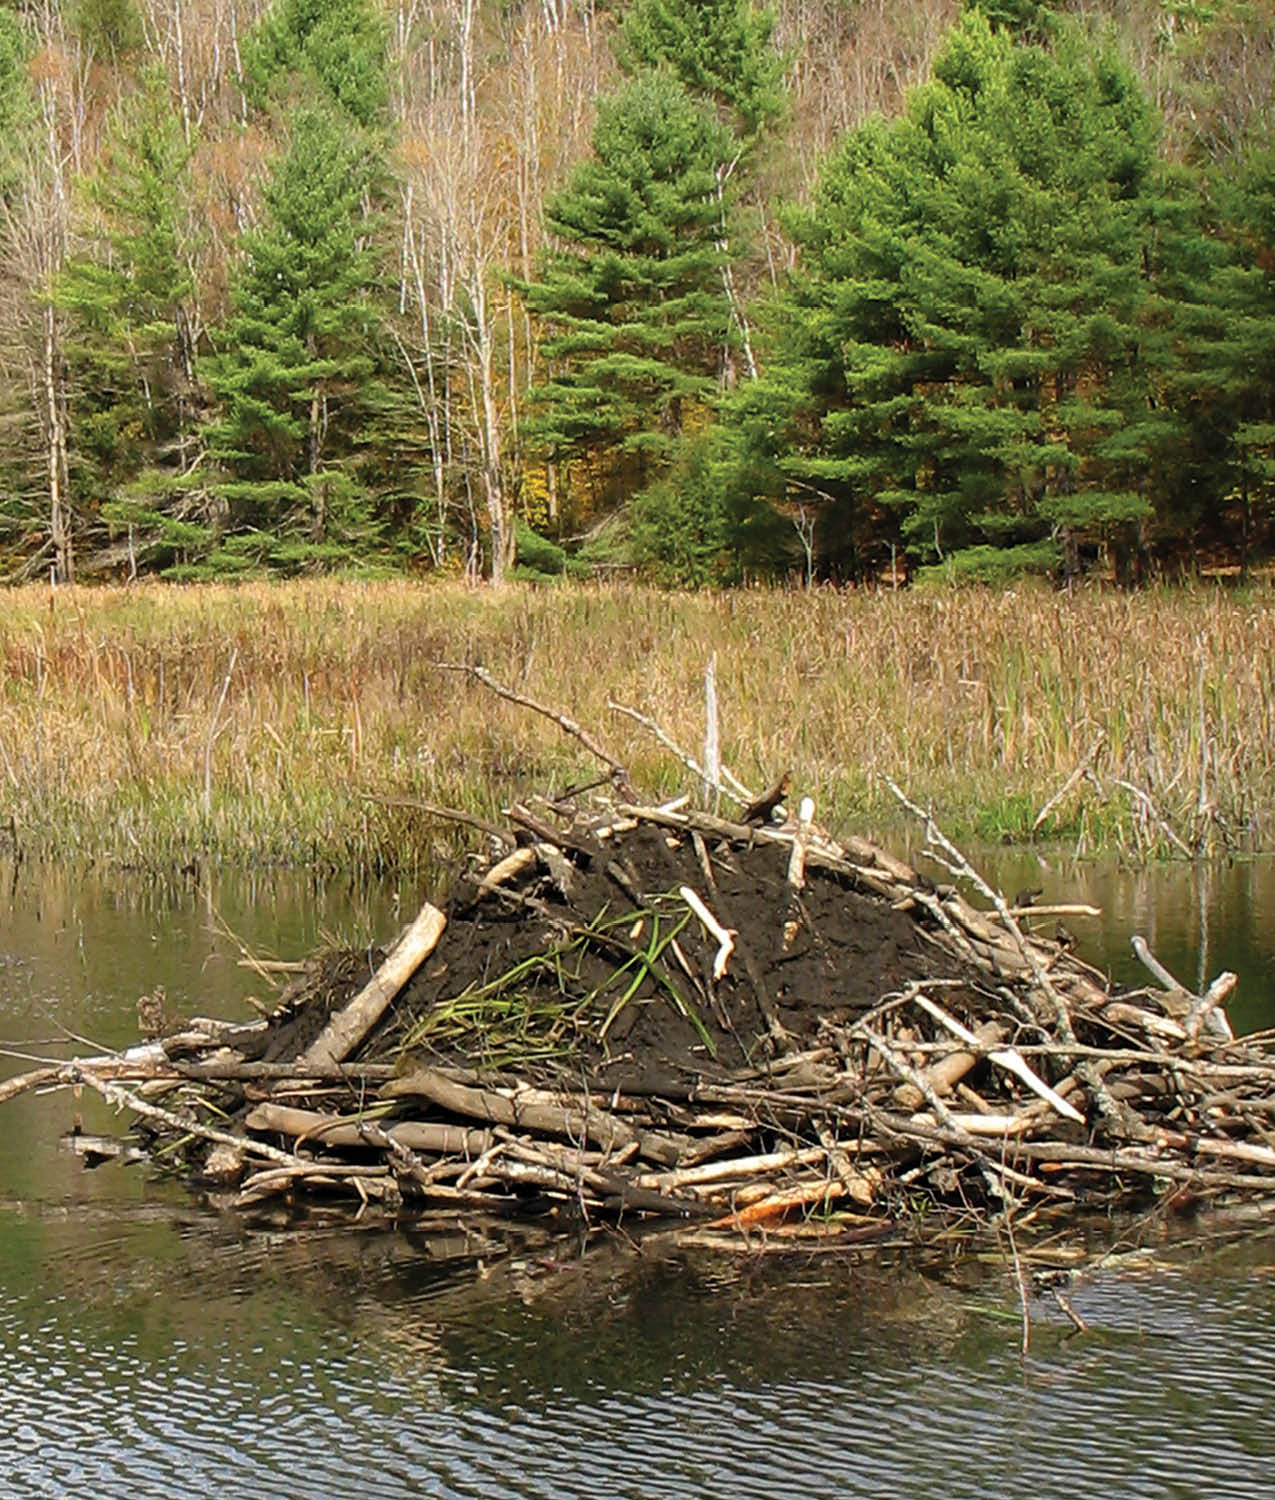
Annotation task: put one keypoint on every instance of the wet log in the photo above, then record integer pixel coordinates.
(943, 1075)
(575, 1123)
(348, 1130)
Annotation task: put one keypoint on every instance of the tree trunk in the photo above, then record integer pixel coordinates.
(55, 448)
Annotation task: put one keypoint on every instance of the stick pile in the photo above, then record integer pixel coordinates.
(1005, 1076)
(639, 1010)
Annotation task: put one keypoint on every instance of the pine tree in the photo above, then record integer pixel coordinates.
(15, 97)
(962, 339)
(632, 303)
(109, 29)
(720, 49)
(127, 300)
(1239, 380)
(21, 501)
(295, 356)
(338, 46)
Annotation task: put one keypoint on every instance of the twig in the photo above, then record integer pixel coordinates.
(1005, 1057)
(122, 1098)
(727, 783)
(1153, 813)
(961, 866)
(619, 772)
(1077, 775)
(449, 814)
(214, 730)
(725, 937)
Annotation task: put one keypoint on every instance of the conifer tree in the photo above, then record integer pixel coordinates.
(298, 361)
(962, 342)
(15, 97)
(295, 355)
(1236, 388)
(127, 301)
(336, 45)
(720, 49)
(631, 301)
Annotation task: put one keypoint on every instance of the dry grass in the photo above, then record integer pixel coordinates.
(243, 724)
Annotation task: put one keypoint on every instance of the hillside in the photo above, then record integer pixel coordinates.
(716, 290)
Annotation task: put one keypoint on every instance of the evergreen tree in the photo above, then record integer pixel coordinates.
(632, 302)
(337, 45)
(15, 97)
(21, 502)
(296, 356)
(1236, 388)
(720, 49)
(963, 340)
(127, 299)
(301, 374)
(110, 29)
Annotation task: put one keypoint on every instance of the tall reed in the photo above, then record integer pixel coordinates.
(156, 725)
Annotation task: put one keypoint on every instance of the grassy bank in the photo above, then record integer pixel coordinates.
(156, 725)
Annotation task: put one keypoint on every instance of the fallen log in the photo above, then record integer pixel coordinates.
(345, 1130)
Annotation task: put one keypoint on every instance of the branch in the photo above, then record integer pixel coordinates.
(619, 773)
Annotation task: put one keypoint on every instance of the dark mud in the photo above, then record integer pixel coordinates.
(533, 977)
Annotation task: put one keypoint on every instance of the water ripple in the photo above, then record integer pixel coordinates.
(540, 1387)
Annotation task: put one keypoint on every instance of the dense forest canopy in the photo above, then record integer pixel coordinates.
(713, 289)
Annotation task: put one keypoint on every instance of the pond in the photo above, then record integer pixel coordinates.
(153, 1348)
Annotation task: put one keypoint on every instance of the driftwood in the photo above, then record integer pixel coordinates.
(345, 1031)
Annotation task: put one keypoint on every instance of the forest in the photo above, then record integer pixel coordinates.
(708, 291)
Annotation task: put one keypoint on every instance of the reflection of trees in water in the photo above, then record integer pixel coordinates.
(499, 1311)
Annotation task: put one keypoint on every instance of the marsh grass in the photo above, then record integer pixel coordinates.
(153, 726)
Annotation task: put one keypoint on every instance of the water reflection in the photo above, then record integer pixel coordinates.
(166, 1350)
(1198, 919)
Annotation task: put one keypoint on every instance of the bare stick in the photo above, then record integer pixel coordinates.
(727, 784)
(354, 1130)
(348, 1027)
(947, 1072)
(725, 937)
(449, 814)
(1061, 909)
(506, 870)
(184, 1124)
(619, 773)
(1152, 964)
(531, 1113)
(1207, 1010)
(1203, 1010)
(1005, 1057)
(1153, 813)
(214, 731)
(1076, 775)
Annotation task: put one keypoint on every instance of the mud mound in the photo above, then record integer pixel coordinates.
(600, 966)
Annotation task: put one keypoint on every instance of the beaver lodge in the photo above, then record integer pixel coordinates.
(742, 1027)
